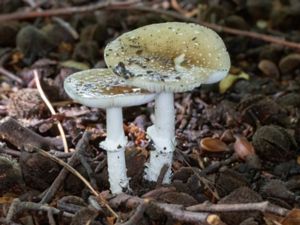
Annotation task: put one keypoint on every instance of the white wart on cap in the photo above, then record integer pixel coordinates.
(171, 57)
(102, 89)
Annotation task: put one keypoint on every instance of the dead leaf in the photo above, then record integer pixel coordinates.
(213, 145)
(293, 218)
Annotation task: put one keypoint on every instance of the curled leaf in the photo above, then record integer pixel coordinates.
(230, 79)
(213, 145)
(242, 147)
(293, 218)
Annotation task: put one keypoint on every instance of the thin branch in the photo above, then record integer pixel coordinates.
(175, 211)
(11, 76)
(8, 151)
(130, 5)
(18, 206)
(162, 174)
(14, 133)
(67, 166)
(203, 179)
(259, 206)
(81, 146)
(50, 217)
(75, 173)
(66, 26)
(216, 27)
(50, 107)
(4, 221)
(63, 11)
(137, 216)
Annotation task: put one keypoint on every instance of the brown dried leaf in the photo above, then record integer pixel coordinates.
(7, 199)
(242, 147)
(271, 219)
(293, 218)
(110, 220)
(213, 145)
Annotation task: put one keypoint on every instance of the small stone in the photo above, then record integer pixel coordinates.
(271, 52)
(289, 99)
(8, 33)
(11, 180)
(277, 189)
(80, 2)
(86, 52)
(274, 143)
(259, 9)
(7, 6)
(287, 169)
(249, 221)
(95, 32)
(261, 109)
(26, 103)
(289, 63)
(269, 68)
(85, 215)
(184, 174)
(38, 171)
(177, 198)
(229, 180)
(33, 43)
(237, 22)
(57, 34)
(238, 196)
(286, 18)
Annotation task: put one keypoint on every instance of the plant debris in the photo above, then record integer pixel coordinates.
(237, 154)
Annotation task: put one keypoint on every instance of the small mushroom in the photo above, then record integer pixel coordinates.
(167, 58)
(100, 88)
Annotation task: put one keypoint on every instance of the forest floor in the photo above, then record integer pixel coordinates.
(237, 156)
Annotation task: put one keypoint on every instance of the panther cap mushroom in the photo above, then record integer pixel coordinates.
(167, 58)
(101, 88)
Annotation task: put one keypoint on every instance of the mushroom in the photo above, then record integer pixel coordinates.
(101, 88)
(166, 58)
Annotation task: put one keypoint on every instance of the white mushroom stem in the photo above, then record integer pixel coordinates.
(114, 144)
(162, 133)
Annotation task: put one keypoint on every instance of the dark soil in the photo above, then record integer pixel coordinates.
(237, 140)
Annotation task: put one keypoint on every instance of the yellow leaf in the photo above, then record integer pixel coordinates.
(230, 79)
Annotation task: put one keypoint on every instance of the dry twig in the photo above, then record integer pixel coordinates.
(56, 184)
(11, 75)
(175, 211)
(162, 174)
(137, 216)
(216, 27)
(75, 173)
(17, 135)
(64, 11)
(17, 206)
(265, 207)
(130, 5)
(50, 107)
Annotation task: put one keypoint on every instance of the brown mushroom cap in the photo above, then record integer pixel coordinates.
(103, 89)
(169, 56)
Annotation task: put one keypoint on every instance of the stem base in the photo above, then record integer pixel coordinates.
(117, 171)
